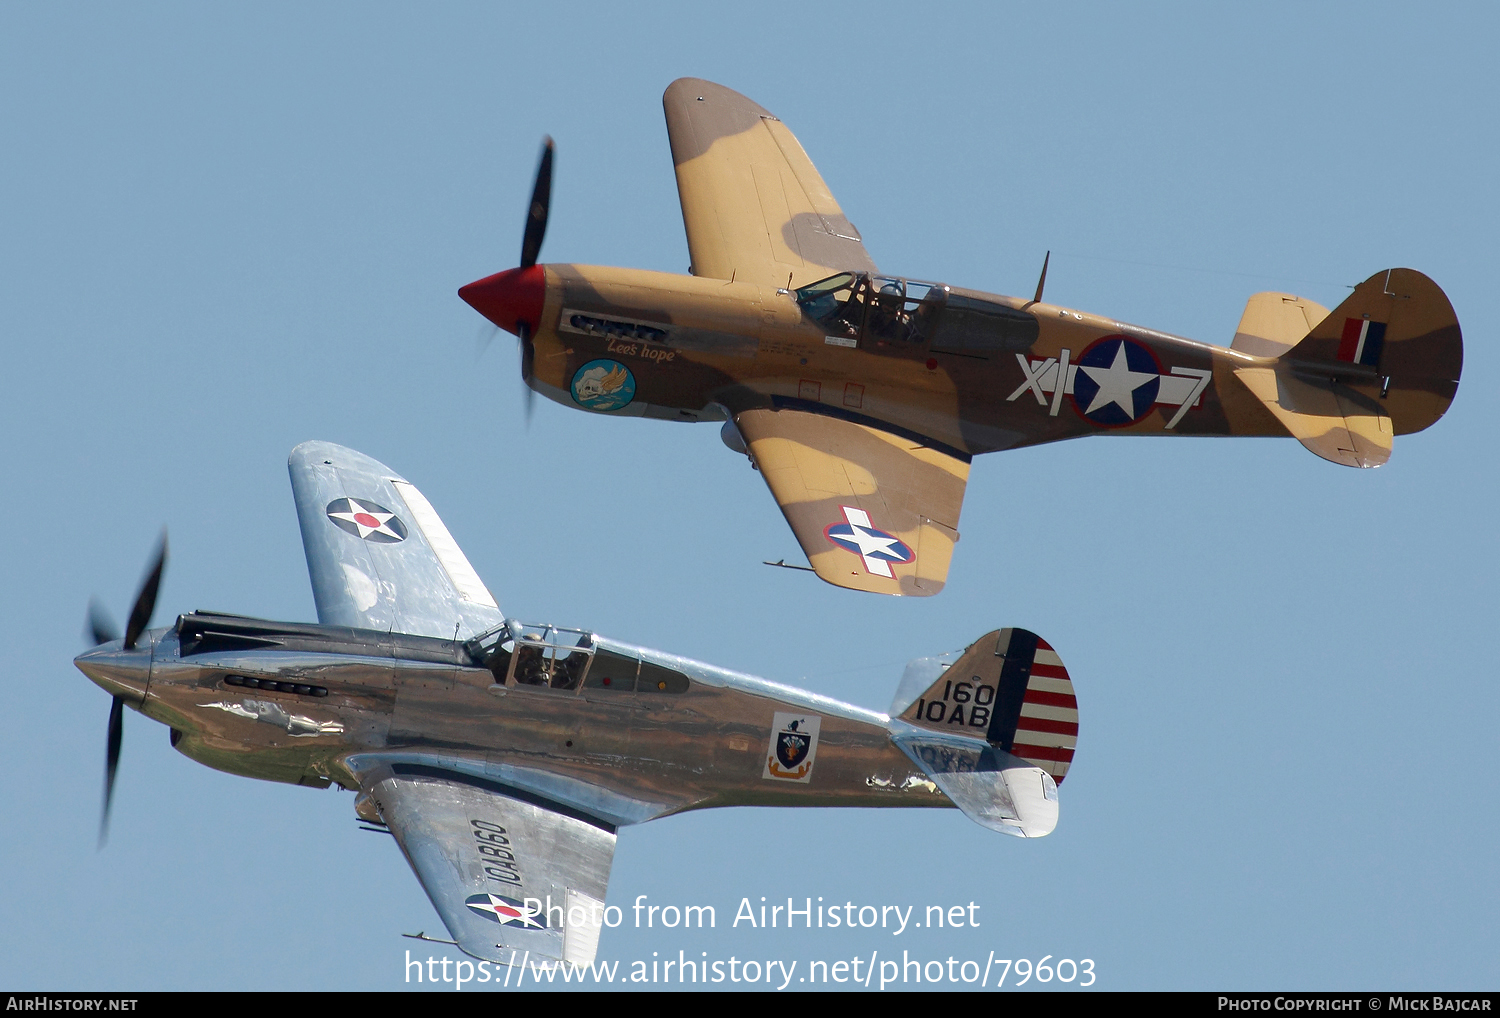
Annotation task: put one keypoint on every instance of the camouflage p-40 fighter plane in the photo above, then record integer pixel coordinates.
(503, 757)
(862, 398)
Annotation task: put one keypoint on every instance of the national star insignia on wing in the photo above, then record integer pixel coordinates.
(505, 911)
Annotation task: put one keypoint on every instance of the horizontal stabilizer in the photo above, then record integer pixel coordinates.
(993, 788)
(1332, 420)
(995, 730)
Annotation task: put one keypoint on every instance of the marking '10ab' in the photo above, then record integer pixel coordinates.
(963, 703)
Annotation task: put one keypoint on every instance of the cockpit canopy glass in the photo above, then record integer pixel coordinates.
(894, 314)
(821, 299)
(880, 310)
(552, 657)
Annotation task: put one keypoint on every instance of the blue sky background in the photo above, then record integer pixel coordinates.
(226, 230)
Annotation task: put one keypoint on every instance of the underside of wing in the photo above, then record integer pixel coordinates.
(872, 510)
(378, 555)
(513, 877)
(755, 208)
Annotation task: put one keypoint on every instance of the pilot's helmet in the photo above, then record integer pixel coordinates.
(890, 296)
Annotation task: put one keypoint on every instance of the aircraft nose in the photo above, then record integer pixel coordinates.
(510, 298)
(119, 672)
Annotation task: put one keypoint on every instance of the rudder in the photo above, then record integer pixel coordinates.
(1399, 326)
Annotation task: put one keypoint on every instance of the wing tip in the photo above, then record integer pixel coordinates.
(684, 91)
(313, 452)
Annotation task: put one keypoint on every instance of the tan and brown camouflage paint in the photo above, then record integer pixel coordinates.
(895, 425)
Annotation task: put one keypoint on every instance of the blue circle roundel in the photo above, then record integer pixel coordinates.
(603, 385)
(1117, 381)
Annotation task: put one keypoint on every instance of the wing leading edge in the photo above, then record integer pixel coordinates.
(511, 877)
(754, 206)
(873, 511)
(378, 555)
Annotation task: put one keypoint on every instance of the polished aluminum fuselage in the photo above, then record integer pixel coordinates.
(623, 756)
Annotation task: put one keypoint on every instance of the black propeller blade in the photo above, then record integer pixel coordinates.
(531, 247)
(111, 763)
(145, 601)
(536, 214)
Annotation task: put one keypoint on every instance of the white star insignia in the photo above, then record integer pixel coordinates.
(1117, 383)
(871, 542)
(367, 521)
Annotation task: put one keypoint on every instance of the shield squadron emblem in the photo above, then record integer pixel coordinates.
(794, 745)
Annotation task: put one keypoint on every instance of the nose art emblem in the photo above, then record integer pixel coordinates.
(366, 519)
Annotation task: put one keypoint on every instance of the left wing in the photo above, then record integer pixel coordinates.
(514, 877)
(872, 510)
(755, 208)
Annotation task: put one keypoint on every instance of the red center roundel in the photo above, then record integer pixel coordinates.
(368, 520)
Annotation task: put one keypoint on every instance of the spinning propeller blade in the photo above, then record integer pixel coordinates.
(528, 363)
(513, 299)
(111, 763)
(145, 601)
(101, 629)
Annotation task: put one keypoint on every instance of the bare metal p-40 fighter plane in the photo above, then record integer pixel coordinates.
(862, 398)
(504, 756)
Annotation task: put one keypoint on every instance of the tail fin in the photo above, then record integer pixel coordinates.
(1385, 362)
(995, 729)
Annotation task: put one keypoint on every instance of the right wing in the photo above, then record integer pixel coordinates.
(873, 511)
(377, 553)
(754, 206)
(514, 878)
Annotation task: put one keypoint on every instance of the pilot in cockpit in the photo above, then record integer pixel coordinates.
(888, 318)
